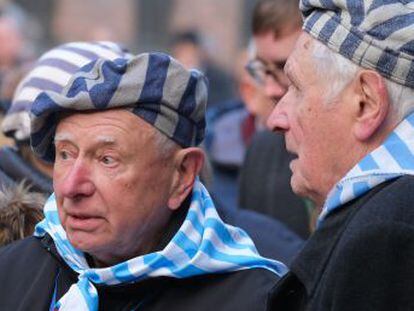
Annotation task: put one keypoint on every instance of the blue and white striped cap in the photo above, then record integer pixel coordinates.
(51, 73)
(373, 34)
(153, 86)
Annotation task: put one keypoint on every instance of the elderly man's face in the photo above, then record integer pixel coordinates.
(112, 184)
(317, 131)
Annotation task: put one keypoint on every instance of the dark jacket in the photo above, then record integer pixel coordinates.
(271, 237)
(5, 180)
(17, 169)
(265, 183)
(361, 258)
(31, 269)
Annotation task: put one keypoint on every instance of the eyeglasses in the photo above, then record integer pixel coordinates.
(259, 70)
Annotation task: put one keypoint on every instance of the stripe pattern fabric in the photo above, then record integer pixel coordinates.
(204, 244)
(51, 73)
(374, 34)
(394, 158)
(153, 86)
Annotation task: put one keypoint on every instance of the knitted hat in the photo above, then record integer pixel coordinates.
(373, 34)
(51, 73)
(153, 86)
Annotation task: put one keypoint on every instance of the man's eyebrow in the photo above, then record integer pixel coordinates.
(105, 140)
(63, 137)
(100, 139)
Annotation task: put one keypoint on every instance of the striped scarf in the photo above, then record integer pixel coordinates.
(202, 245)
(394, 158)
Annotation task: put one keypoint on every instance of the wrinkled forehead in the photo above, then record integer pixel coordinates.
(301, 54)
(106, 124)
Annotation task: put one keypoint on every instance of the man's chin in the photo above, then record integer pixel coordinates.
(82, 241)
(297, 186)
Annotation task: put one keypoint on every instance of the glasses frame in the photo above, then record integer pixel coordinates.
(260, 70)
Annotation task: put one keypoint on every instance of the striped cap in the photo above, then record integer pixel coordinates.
(51, 73)
(153, 86)
(373, 34)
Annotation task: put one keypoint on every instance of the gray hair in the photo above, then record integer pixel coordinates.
(340, 71)
(165, 145)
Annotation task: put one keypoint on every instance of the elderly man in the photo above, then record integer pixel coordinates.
(129, 225)
(348, 118)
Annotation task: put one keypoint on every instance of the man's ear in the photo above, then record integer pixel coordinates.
(373, 104)
(188, 163)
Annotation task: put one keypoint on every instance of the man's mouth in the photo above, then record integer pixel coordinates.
(83, 222)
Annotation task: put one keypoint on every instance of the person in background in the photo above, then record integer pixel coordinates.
(11, 45)
(20, 211)
(130, 226)
(15, 54)
(264, 184)
(348, 119)
(230, 128)
(189, 48)
(50, 73)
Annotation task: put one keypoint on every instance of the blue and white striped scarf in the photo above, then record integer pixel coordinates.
(204, 244)
(394, 158)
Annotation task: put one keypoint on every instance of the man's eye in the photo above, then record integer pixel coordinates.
(63, 155)
(107, 160)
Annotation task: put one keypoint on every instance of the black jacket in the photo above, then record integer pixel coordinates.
(30, 268)
(361, 258)
(14, 168)
(264, 183)
(28, 272)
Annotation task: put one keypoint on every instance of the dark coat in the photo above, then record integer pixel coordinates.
(265, 183)
(5, 180)
(271, 237)
(15, 168)
(361, 258)
(28, 272)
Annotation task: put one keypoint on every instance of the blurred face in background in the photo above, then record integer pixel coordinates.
(272, 51)
(188, 54)
(11, 43)
(251, 93)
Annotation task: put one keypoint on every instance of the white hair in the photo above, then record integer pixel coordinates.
(165, 145)
(340, 71)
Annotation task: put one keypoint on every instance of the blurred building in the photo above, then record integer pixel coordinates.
(145, 24)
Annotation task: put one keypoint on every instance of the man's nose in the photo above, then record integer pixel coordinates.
(278, 120)
(78, 181)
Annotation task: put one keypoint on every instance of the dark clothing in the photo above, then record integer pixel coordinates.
(265, 183)
(225, 149)
(5, 181)
(28, 272)
(17, 169)
(31, 269)
(361, 258)
(272, 238)
(221, 84)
